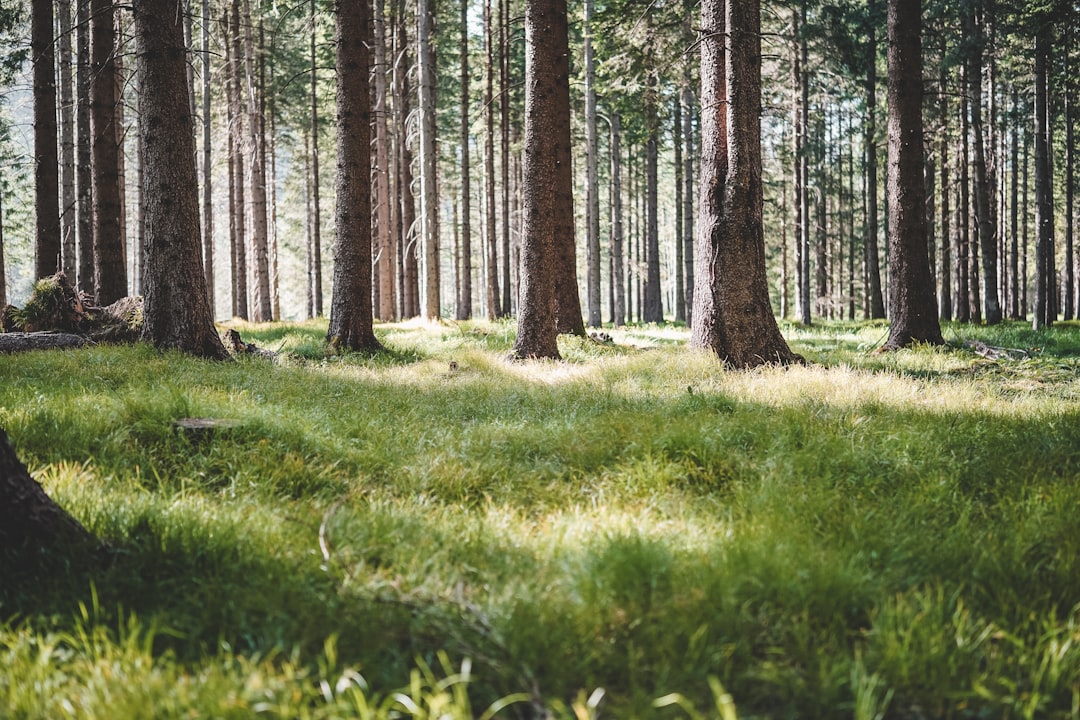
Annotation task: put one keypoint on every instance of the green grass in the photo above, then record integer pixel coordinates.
(631, 533)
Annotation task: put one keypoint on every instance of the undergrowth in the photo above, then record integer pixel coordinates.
(633, 532)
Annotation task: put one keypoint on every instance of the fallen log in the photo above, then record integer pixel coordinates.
(25, 341)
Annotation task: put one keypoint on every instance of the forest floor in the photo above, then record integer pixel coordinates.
(633, 532)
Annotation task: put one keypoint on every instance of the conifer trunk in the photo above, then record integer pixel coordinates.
(592, 177)
(350, 325)
(911, 294)
(463, 311)
(429, 200)
(545, 40)
(732, 314)
(47, 245)
(617, 240)
(1044, 314)
(83, 173)
(176, 311)
(384, 221)
(67, 143)
(494, 299)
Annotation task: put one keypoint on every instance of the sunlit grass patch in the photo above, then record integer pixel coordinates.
(869, 533)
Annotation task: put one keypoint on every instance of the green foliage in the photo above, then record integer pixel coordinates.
(433, 531)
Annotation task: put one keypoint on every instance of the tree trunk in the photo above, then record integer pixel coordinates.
(1044, 201)
(463, 310)
(28, 517)
(568, 316)
(1014, 259)
(84, 175)
(351, 309)
(592, 177)
(732, 314)
(110, 273)
(429, 199)
(120, 126)
(384, 221)
(963, 254)
(1070, 220)
(654, 308)
(67, 144)
(268, 152)
(911, 293)
(236, 145)
(616, 226)
(258, 252)
(687, 102)
(945, 302)
(410, 275)
(680, 287)
(545, 40)
(3, 270)
(873, 263)
(508, 297)
(207, 185)
(176, 311)
(316, 205)
(47, 246)
(494, 299)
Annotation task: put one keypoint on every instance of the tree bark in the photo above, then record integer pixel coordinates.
(429, 199)
(207, 179)
(494, 309)
(1014, 260)
(545, 39)
(1044, 314)
(384, 221)
(654, 307)
(351, 309)
(84, 175)
(464, 295)
(963, 293)
(945, 301)
(47, 246)
(616, 227)
(1070, 189)
(677, 141)
(873, 263)
(911, 293)
(236, 162)
(568, 316)
(732, 314)
(176, 310)
(28, 517)
(258, 248)
(592, 177)
(508, 296)
(3, 271)
(316, 205)
(410, 275)
(110, 273)
(67, 143)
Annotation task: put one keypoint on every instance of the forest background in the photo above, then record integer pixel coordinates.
(823, 153)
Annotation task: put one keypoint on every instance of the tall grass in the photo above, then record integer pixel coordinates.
(633, 532)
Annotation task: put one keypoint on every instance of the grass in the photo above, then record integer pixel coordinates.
(631, 533)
